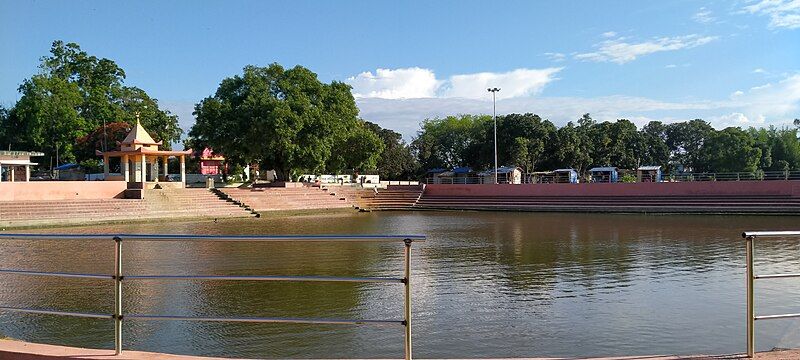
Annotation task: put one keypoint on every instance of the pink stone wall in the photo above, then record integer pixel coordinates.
(61, 190)
(791, 188)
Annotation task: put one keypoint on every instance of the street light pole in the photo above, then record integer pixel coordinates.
(494, 117)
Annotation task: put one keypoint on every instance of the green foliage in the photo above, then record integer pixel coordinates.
(533, 143)
(287, 120)
(685, 141)
(70, 97)
(397, 160)
(628, 178)
(453, 141)
(731, 150)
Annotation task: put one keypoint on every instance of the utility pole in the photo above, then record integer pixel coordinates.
(494, 116)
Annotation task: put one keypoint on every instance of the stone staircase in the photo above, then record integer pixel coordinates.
(157, 204)
(268, 199)
(395, 197)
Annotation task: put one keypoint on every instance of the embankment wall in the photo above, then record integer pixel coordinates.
(61, 190)
(710, 188)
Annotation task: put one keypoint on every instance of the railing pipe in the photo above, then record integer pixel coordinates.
(750, 305)
(53, 312)
(56, 274)
(407, 297)
(117, 295)
(321, 321)
(267, 278)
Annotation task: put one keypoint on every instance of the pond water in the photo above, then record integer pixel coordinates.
(485, 284)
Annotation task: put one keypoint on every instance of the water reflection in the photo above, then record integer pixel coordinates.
(486, 284)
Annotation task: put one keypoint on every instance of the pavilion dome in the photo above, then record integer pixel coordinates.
(138, 136)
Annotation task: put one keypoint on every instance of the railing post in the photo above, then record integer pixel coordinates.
(407, 307)
(117, 295)
(750, 305)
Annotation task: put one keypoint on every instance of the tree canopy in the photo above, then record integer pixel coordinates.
(70, 97)
(287, 120)
(533, 143)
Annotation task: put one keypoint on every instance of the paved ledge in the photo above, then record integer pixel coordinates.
(20, 350)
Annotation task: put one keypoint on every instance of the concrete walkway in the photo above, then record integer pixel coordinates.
(20, 350)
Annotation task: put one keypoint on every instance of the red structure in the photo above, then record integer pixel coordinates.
(211, 164)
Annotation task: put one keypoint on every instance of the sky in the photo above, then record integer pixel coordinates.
(732, 63)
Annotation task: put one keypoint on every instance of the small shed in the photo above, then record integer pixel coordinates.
(505, 175)
(649, 173)
(211, 163)
(459, 175)
(566, 176)
(16, 165)
(69, 172)
(432, 176)
(541, 177)
(605, 174)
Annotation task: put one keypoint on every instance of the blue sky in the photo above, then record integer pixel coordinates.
(733, 63)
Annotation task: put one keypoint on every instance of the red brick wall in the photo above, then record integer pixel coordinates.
(61, 190)
(791, 188)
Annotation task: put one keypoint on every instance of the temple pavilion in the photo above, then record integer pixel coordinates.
(139, 161)
(16, 165)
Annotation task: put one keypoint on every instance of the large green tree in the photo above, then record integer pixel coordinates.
(397, 160)
(730, 150)
(287, 120)
(453, 141)
(686, 141)
(71, 96)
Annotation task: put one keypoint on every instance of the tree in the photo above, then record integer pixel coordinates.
(453, 141)
(572, 149)
(287, 120)
(535, 132)
(655, 150)
(731, 150)
(101, 138)
(397, 160)
(71, 96)
(686, 141)
(4, 119)
(520, 156)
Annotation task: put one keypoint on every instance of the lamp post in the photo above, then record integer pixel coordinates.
(494, 117)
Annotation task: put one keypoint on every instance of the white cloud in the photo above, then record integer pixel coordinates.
(770, 104)
(395, 83)
(759, 71)
(703, 16)
(411, 83)
(516, 83)
(782, 13)
(555, 56)
(773, 100)
(670, 66)
(619, 51)
(609, 34)
(732, 119)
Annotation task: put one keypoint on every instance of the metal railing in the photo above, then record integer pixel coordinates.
(118, 278)
(750, 237)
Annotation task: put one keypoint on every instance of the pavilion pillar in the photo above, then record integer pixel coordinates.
(1, 173)
(183, 170)
(11, 169)
(105, 166)
(154, 166)
(144, 170)
(165, 164)
(27, 173)
(124, 168)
